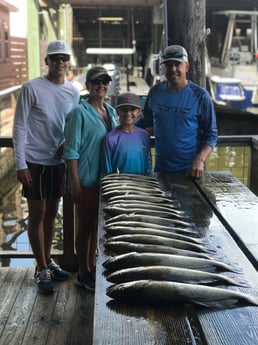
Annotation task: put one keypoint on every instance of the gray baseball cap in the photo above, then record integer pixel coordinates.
(128, 98)
(97, 72)
(175, 53)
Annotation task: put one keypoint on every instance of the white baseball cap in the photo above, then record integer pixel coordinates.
(58, 47)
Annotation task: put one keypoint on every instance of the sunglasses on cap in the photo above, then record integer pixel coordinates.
(175, 55)
(58, 57)
(100, 81)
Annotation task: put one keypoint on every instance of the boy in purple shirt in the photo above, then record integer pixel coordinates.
(126, 148)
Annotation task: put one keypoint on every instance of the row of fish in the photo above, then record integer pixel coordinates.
(157, 253)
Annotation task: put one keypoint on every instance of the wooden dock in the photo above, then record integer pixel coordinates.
(28, 317)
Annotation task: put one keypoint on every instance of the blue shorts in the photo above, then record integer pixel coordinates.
(47, 181)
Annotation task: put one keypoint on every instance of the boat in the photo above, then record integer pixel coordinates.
(233, 64)
(231, 92)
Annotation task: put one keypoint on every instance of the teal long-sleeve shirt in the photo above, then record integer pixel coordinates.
(84, 133)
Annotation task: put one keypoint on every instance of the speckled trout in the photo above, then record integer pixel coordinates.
(167, 273)
(126, 230)
(122, 247)
(146, 205)
(130, 186)
(149, 198)
(159, 240)
(170, 292)
(128, 177)
(134, 259)
(149, 219)
(177, 229)
(115, 210)
(142, 192)
(125, 182)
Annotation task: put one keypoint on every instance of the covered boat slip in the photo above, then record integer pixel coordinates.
(224, 212)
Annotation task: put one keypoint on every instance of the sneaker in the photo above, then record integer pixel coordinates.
(57, 272)
(86, 281)
(44, 282)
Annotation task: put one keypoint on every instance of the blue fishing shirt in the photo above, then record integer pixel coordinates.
(183, 123)
(127, 152)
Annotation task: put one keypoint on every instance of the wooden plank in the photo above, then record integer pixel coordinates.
(27, 317)
(131, 324)
(39, 324)
(72, 319)
(15, 72)
(8, 293)
(61, 318)
(83, 318)
(239, 326)
(18, 254)
(63, 315)
(237, 207)
(19, 315)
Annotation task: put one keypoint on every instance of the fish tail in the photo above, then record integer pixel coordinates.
(250, 299)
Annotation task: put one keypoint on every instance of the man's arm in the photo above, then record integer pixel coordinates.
(197, 168)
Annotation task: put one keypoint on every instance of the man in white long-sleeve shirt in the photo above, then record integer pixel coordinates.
(38, 137)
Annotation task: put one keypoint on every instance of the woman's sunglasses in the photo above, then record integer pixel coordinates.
(100, 81)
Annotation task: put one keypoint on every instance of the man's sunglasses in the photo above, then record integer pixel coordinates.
(58, 57)
(100, 81)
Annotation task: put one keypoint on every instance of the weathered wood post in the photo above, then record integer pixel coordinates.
(185, 24)
(68, 260)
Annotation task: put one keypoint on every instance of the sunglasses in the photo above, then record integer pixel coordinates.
(58, 57)
(173, 55)
(100, 81)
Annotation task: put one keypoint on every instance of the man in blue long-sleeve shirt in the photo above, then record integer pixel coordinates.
(183, 117)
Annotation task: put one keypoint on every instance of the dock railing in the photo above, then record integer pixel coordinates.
(67, 257)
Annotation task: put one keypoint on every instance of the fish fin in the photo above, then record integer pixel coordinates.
(241, 282)
(216, 304)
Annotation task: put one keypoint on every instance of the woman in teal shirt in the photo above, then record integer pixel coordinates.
(85, 129)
